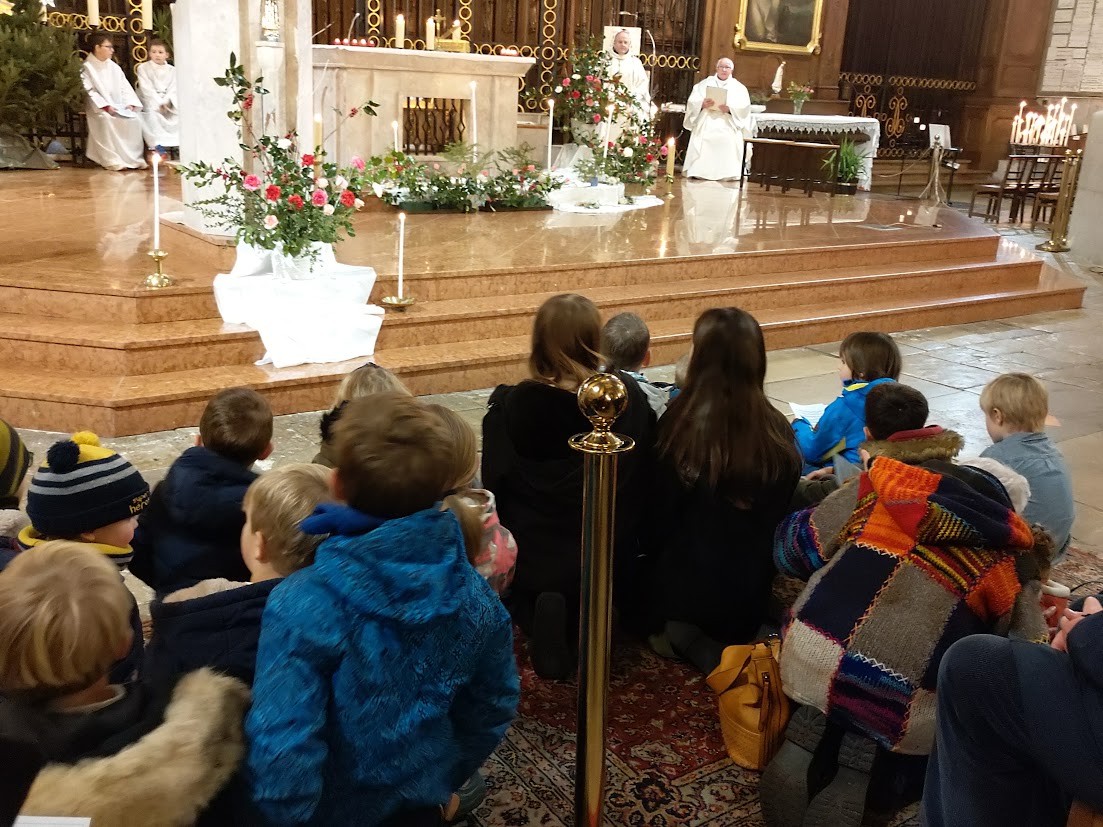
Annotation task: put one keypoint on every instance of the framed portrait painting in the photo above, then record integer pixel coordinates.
(787, 26)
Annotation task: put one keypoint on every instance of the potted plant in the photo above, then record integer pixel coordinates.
(39, 79)
(288, 200)
(798, 94)
(585, 93)
(847, 165)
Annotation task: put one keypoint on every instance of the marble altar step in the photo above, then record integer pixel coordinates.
(120, 349)
(59, 398)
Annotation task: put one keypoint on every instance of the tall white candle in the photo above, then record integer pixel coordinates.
(430, 34)
(394, 129)
(401, 248)
(156, 201)
(551, 126)
(147, 15)
(608, 126)
(93, 14)
(474, 117)
(400, 32)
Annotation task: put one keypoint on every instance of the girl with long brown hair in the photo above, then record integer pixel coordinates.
(727, 467)
(537, 477)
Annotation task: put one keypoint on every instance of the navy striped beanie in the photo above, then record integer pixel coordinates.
(83, 486)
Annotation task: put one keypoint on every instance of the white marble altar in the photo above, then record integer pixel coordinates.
(1084, 236)
(348, 76)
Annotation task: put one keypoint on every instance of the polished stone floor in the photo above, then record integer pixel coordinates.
(948, 364)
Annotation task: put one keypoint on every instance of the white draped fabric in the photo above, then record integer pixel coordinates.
(634, 76)
(114, 141)
(716, 146)
(157, 89)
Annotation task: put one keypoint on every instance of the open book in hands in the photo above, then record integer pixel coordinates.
(717, 94)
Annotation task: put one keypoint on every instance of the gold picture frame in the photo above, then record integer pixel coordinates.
(779, 26)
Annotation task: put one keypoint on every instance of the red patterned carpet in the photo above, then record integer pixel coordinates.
(668, 765)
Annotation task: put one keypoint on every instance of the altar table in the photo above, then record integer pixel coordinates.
(803, 127)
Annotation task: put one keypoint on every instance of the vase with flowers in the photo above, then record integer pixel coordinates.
(284, 197)
(586, 92)
(798, 94)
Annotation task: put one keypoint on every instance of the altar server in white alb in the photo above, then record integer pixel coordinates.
(628, 66)
(157, 89)
(114, 125)
(715, 148)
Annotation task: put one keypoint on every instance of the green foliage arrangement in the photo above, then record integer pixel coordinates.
(39, 70)
(846, 160)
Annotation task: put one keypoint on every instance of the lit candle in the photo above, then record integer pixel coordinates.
(401, 248)
(551, 126)
(93, 14)
(400, 32)
(318, 148)
(608, 126)
(670, 149)
(430, 34)
(474, 117)
(394, 129)
(156, 201)
(1015, 130)
(147, 15)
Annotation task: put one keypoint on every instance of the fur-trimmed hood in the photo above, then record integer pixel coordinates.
(166, 778)
(921, 445)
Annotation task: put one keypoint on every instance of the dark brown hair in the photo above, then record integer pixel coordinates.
(721, 428)
(624, 341)
(393, 455)
(566, 341)
(871, 356)
(893, 407)
(237, 424)
(156, 41)
(96, 38)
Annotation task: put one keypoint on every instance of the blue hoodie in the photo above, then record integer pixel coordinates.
(385, 673)
(840, 430)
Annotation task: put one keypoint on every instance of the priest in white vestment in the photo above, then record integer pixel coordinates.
(715, 149)
(157, 89)
(629, 67)
(114, 125)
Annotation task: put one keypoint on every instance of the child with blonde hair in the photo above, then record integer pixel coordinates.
(366, 380)
(385, 672)
(64, 619)
(490, 545)
(1015, 408)
(217, 622)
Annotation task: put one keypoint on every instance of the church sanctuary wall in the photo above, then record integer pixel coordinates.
(1074, 60)
(756, 69)
(1012, 56)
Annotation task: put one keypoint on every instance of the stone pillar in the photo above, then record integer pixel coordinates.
(1084, 236)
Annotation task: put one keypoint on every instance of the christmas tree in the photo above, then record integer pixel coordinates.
(39, 70)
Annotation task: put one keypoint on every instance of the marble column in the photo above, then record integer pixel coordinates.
(1084, 236)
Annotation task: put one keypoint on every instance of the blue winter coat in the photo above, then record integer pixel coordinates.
(840, 430)
(385, 673)
(191, 530)
(215, 623)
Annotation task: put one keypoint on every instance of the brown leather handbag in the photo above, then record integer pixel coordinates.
(753, 710)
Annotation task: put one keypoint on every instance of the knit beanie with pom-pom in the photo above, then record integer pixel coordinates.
(83, 486)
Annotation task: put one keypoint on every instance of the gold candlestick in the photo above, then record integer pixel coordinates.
(669, 186)
(399, 303)
(157, 279)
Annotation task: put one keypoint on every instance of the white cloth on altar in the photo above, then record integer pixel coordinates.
(715, 148)
(831, 124)
(114, 141)
(304, 321)
(157, 90)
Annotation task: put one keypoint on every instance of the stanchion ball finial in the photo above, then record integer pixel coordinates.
(602, 398)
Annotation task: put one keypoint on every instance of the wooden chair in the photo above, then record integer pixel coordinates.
(1016, 176)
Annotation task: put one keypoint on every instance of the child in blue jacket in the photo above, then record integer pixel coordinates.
(385, 671)
(866, 360)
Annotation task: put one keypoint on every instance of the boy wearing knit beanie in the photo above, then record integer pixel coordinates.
(90, 494)
(15, 459)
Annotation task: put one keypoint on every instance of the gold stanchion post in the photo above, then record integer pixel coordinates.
(1059, 230)
(602, 398)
